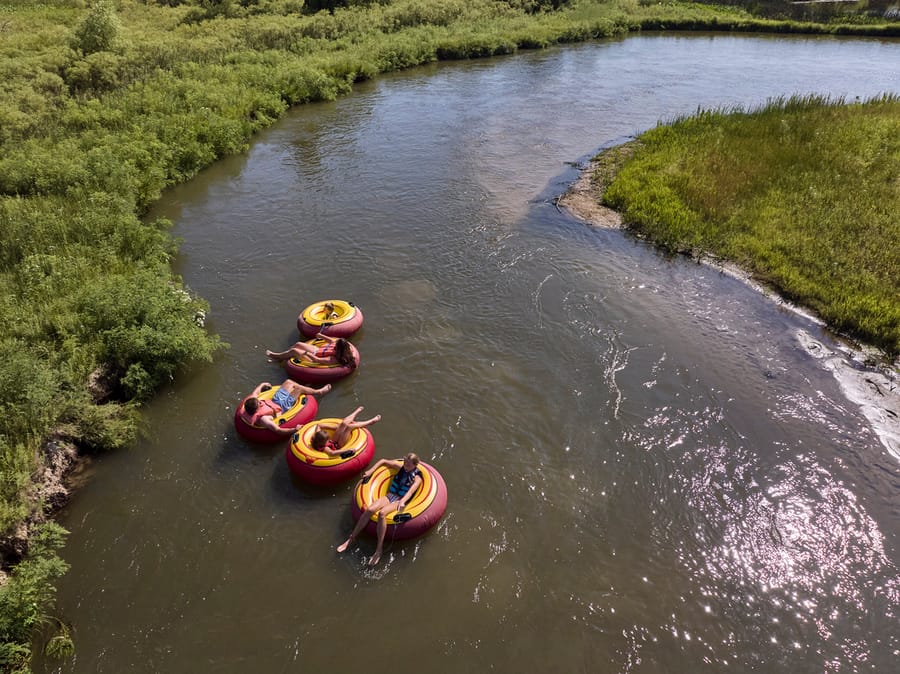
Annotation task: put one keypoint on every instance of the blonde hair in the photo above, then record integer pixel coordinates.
(412, 457)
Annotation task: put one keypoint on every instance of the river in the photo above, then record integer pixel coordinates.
(646, 471)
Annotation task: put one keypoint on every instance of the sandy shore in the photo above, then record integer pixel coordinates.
(873, 387)
(583, 201)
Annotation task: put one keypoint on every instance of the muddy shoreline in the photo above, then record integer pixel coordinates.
(862, 374)
(58, 474)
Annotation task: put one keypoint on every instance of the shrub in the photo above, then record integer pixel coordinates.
(95, 73)
(144, 328)
(99, 30)
(27, 596)
(29, 391)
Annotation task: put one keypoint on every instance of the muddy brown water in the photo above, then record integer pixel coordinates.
(647, 473)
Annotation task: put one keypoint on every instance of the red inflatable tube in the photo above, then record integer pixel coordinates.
(308, 372)
(343, 319)
(424, 509)
(318, 467)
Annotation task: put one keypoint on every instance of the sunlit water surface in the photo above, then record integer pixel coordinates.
(646, 472)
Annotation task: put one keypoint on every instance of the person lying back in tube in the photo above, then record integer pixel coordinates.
(333, 444)
(336, 351)
(261, 411)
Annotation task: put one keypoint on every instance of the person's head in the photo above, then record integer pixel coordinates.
(319, 439)
(343, 352)
(410, 461)
(251, 404)
(329, 308)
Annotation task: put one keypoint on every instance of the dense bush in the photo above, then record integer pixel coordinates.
(136, 323)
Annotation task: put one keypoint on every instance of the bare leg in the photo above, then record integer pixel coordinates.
(362, 521)
(367, 422)
(343, 430)
(342, 433)
(299, 350)
(296, 389)
(382, 530)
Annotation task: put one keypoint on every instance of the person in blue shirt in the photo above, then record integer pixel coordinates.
(402, 488)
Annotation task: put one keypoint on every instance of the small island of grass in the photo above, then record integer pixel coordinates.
(803, 194)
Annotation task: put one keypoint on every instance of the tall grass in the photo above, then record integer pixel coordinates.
(104, 105)
(803, 192)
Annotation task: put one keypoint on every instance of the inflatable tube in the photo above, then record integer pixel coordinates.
(308, 372)
(343, 321)
(303, 410)
(426, 507)
(320, 468)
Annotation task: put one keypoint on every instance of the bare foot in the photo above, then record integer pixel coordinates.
(324, 389)
(343, 546)
(374, 559)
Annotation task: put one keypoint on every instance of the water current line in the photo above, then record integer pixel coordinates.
(537, 299)
(616, 366)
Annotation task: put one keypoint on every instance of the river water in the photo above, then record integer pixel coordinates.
(647, 473)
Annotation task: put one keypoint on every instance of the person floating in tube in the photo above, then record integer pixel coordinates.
(262, 411)
(335, 351)
(333, 444)
(402, 488)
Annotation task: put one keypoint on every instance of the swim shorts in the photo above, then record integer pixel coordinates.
(284, 399)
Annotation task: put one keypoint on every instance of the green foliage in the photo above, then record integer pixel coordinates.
(26, 383)
(27, 596)
(103, 427)
(143, 327)
(313, 6)
(534, 6)
(60, 646)
(802, 192)
(100, 30)
(861, 11)
(16, 466)
(96, 72)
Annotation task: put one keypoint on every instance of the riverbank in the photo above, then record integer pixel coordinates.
(861, 371)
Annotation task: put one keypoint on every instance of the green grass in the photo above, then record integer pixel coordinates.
(103, 106)
(804, 193)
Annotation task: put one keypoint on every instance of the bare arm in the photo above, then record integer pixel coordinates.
(259, 389)
(269, 422)
(379, 463)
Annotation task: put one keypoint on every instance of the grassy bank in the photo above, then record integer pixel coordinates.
(103, 106)
(803, 193)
